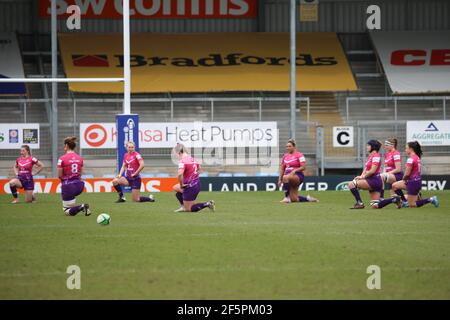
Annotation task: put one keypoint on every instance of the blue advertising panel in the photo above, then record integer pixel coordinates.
(127, 130)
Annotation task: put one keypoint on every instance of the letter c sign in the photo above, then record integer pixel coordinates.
(343, 137)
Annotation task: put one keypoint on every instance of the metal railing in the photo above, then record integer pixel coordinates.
(316, 145)
(396, 100)
(84, 110)
(354, 158)
(171, 101)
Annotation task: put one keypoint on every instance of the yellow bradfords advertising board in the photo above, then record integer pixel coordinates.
(207, 62)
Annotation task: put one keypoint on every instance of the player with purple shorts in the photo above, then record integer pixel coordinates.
(70, 167)
(189, 186)
(291, 174)
(23, 168)
(133, 164)
(370, 178)
(412, 180)
(392, 164)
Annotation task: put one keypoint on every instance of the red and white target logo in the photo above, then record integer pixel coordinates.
(95, 135)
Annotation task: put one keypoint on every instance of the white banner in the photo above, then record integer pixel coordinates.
(415, 62)
(429, 133)
(191, 134)
(11, 65)
(343, 137)
(14, 135)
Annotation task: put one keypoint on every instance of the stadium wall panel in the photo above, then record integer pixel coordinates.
(311, 183)
(350, 15)
(334, 16)
(224, 184)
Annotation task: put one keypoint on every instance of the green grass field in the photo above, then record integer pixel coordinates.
(252, 247)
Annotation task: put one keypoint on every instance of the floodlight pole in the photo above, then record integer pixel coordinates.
(54, 115)
(126, 57)
(293, 68)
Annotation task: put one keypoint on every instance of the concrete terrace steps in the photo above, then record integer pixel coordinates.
(325, 111)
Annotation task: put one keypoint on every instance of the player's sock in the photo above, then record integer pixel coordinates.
(145, 199)
(382, 194)
(119, 190)
(286, 189)
(400, 193)
(385, 202)
(199, 206)
(179, 196)
(73, 211)
(356, 194)
(13, 191)
(420, 203)
(302, 199)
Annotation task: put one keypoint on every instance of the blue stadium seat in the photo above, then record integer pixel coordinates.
(3, 177)
(87, 176)
(225, 174)
(39, 177)
(239, 174)
(147, 175)
(273, 174)
(204, 175)
(162, 175)
(109, 176)
(262, 174)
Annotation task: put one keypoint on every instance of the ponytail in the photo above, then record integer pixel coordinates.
(70, 142)
(416, 147)
(291, 141)
(180, 149)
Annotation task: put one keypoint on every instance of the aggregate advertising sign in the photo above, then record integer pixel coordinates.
(415, 62)
(207, 62)
(95, 185)
(11, 65)
(165, 9)
(191, 134)
(14, 135)
(429, 133)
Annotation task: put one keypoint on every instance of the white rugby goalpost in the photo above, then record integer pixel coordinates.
(54, 80)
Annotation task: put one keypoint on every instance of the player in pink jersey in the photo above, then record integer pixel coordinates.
(189, 186)
(412, 180)
(70, 168)
(23, 168)
(133, 164)
(370, 178)
(392, 164)
(291, 175)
